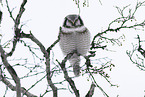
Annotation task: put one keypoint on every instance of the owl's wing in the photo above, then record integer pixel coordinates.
(83, 42)
(67, 42)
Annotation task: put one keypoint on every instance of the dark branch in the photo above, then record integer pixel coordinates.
(11, 71)
(13, 88)
(66, 76)
(47, 57)
(10, 12)
(91, 91)
(22, 9)
(140, 49)
(122, 20)
(88, 61)
(17, 30)
(91, 70)
(140, 64)
(50, 48)
(96, 84)
(13, 48)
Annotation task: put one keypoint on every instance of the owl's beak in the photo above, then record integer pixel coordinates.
(73, 23)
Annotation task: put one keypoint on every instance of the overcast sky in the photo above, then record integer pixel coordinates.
(46, 16)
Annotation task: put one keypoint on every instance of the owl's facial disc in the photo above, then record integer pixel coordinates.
(72, 18)
(72, 21)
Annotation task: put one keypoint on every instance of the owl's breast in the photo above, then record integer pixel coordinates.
(75, 39)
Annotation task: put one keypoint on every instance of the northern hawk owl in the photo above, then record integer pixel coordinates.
(74, 36)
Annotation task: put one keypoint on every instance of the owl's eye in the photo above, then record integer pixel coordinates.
(77, 23)
(68, 23)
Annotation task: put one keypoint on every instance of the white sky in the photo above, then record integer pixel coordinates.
(46, 16)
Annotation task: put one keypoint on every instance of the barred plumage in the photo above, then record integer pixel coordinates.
(74, 36)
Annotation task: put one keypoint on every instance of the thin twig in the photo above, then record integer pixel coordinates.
(97, 84)
(10, 12)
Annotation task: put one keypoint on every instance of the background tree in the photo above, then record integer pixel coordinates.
(42, 64)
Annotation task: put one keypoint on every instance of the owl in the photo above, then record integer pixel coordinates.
(74, 36)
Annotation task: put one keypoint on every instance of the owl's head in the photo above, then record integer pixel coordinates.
(72, 21)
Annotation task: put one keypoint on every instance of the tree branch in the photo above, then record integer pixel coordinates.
(47, 57)
(13, 88)
(10, 12)
(17, 30)
(140, 65)
(66, 76)
(50, 48)
(11, 71)
(97, 84)
(19, 34)
(91, 91)
(140, 49)
(122, 20)
(22, 9)
(13, 48)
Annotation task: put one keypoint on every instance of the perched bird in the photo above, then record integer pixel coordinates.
(74, 36)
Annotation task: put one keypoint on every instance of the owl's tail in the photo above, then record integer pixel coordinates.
(75, 62)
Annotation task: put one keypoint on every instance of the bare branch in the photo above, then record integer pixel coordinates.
(97, 83)
(140, 49)
(17, 30)
(13, 88)
(93, 70)
(66, 76)
(47, 57)
(22, 9)
(91, 91)
(140, 64)
(25, 93)
(11, 71)
(122, 20)
(19, 34)
(10, 12)
(139, 4)
(13, 48)
(50, 48)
